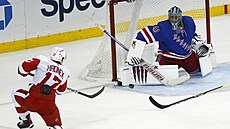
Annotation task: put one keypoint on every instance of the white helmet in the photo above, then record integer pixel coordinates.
(58, 54)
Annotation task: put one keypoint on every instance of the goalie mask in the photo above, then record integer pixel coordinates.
(58, 55)
(175, 17)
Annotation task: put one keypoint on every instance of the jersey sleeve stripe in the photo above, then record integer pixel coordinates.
(147, 33)
(150, 34)
(145, 37)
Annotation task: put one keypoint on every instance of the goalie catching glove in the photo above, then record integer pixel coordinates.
(200, 46)
(203, 50)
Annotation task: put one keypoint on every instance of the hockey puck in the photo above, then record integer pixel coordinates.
(119, 83)
(131, 86)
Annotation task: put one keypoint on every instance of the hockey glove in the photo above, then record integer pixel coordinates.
(199, 46)
(45, 89)
(203, 50)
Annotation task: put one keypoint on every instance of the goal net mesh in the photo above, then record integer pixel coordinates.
(131, 17)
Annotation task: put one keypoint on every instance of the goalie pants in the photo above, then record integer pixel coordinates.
(47, 109)
(190, 64)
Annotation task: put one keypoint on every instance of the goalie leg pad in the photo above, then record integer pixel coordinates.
(213, 59)
(205, 65)
(138, 75)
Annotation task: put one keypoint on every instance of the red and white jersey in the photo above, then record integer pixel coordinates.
(46, 72)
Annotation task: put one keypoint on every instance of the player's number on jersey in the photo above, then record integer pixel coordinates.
(48, 76)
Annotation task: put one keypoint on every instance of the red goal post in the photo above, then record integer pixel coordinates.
(125, 17)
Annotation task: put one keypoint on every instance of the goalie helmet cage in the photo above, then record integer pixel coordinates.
(125, 17)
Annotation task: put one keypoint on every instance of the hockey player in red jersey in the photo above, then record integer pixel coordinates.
(50, 78)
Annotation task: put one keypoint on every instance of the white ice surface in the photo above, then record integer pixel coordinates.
(116, 108)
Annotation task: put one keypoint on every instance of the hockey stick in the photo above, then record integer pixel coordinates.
(154, 102)
(87, 95)
(81, 93)
(148, 67)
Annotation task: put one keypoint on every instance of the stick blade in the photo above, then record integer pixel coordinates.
(99, 92)
(93, 95)
(179, 80)
(154, 102)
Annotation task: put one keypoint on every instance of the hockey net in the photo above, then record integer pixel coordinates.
(130, 17)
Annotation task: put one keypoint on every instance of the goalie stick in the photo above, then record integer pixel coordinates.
(154, 102)
(81, 93)
(150, 69)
